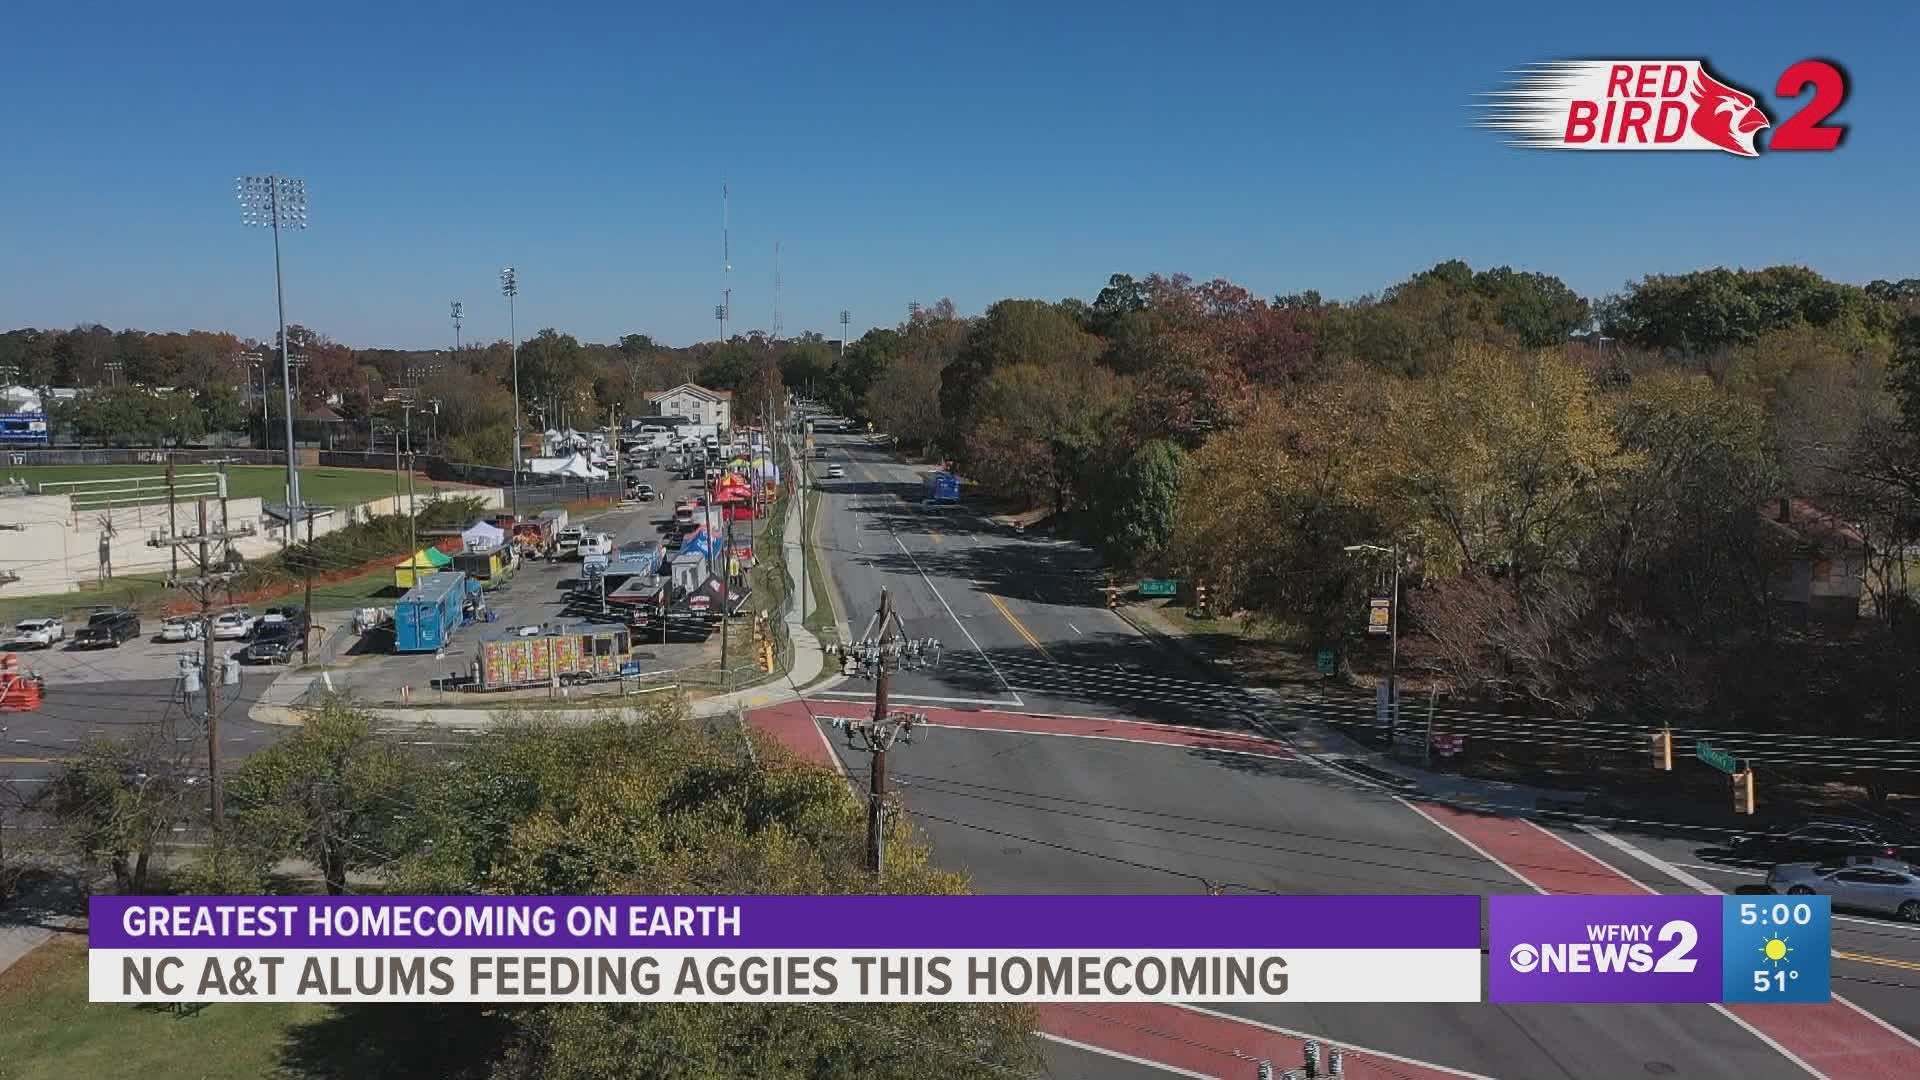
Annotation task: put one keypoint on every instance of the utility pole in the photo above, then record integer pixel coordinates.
(173, 524)
(1393, 630)
(876, 736)
(726, 585)
(845, 318)
(306, 639)
(413, 541)
(212, 576)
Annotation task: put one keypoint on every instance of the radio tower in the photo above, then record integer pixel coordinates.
(776, 290)
(726, 258)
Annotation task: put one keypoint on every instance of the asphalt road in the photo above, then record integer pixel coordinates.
(1026, 632)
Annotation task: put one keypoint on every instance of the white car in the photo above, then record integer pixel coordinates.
(180, 628)
(41, 632)
(232, 625)
(836, 472)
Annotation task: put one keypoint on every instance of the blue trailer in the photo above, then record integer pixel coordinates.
(943, 487)
(424, 620)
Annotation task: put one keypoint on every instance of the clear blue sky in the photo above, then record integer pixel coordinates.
(898, 153)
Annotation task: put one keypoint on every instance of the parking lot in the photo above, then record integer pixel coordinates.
(536, 593)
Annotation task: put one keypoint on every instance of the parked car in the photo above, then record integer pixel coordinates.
(41, 632)
(232, 625)
(1882, 886)
(1824, 841)
(273, 643)
(294, 616)
(107, 629)
(180, 628)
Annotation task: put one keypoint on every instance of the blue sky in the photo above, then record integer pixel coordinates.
(896, 153)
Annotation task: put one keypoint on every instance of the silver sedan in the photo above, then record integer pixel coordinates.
(1882, 886)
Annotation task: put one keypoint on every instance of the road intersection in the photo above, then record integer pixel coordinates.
(1066, 752)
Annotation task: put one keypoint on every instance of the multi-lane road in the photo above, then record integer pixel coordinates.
(1068, 753)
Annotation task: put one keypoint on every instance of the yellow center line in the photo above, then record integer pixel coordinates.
(934, 535)
(1883, 961)
(26, 761)
(1020, 627)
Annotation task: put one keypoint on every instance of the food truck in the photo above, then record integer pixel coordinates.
(564, 654)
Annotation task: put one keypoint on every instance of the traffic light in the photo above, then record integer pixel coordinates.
(1113, 598)
(1743, 797)
(1663, 750)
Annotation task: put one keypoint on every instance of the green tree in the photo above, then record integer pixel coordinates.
(115, 801)
(1538, 308)
(1138, 499)
(1011, 332)
(330, 793)
(1037, 425)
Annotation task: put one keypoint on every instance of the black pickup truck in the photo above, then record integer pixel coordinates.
(107, 629)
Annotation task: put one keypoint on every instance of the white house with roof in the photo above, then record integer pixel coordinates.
(704, 406)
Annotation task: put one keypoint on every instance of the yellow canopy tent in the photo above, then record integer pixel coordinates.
(425, 561)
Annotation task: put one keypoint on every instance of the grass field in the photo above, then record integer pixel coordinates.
(52, 1032)
(320, 486)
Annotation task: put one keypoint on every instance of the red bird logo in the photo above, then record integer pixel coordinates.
(1725, 117)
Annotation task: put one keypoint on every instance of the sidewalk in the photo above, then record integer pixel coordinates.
(279, 705)
(1334, 749)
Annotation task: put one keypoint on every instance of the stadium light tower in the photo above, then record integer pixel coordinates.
(278, 202)
(510, 288)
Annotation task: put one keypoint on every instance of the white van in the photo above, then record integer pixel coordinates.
(568, 542)
(596, 544)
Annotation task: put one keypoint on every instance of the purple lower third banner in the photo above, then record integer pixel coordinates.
(787, 922)
(1614, 949)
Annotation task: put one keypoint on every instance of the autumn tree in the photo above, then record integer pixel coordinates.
(1503, 461)
(1011, 332)
(1037, 425)
(1266, 507)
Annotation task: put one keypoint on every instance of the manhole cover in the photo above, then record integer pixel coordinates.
(1011, 850)
(1660, 1068)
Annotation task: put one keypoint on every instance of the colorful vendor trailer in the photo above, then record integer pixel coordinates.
(565, 654)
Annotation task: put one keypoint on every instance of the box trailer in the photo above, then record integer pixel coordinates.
(563, 653)
(426, 617)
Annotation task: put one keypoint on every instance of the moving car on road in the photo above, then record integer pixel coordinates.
(1882, 886)
(1827, 841)
(180, 628)
(232, 625)
(836, 471)
(41, 632)
(107, 629)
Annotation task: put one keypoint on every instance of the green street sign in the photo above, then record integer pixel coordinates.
(1159, 587)
(1328, 661)
(1719, 759)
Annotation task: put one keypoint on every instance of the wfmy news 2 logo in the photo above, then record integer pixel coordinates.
(1658, 949)
(1662, 105)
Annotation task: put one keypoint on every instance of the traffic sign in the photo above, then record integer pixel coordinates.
(1328, 662)
(1719, 759)
(1159, 587)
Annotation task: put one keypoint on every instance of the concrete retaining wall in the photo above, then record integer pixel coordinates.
(57, 549)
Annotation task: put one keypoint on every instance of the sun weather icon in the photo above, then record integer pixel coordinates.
(1776, 949)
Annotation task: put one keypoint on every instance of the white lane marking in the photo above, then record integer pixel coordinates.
(1170, 1070)
(867, 695)
(1477, 849)
(1741, 870)
(956, 621)
(1292, 1034)
(1649, 858)
(1075, 629)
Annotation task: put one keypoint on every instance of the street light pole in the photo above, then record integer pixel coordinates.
(1393, 630)
(277, 202)
(456, 331)
(845, 318)
(510, 287)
